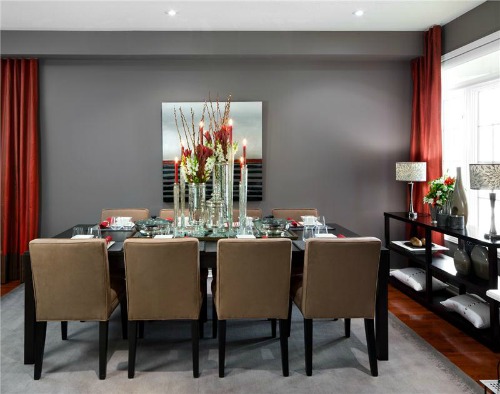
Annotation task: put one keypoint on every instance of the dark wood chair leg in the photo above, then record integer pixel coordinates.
(141, 329)
(103, 348)
(124, 317)
(372, 347)
(201, 327)
(308, 341)
(347, 326)
(204, 293)
(289, 322)
(195, 339)
(64, 330)
(284, 346)
(214, 321)
(40, 333)
(132, 347)
(273, 328)
(222, 346)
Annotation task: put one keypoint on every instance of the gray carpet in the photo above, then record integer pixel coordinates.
(340, 365)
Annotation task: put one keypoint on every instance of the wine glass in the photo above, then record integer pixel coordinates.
(115, 223)
(77, 230)
(95, 231)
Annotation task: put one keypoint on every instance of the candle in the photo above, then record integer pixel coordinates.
(201, 132)
(176, 170)
(230, 131)
(245, 150)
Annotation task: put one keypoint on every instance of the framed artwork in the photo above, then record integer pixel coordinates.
(247, 124)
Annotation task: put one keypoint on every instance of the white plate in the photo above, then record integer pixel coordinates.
(164, 236)
(243, 236)
(301, 224)
(325, 236)
(435, 247)
(82, 236)
(110, 243)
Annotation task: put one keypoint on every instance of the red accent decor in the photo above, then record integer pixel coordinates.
(425, 140)
(20, 182)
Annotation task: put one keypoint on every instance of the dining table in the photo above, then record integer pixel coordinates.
(208, 260)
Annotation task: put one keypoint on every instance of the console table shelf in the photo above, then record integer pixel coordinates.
(441, 266)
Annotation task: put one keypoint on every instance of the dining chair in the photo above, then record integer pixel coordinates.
(294, 213)
(71, 282)
(163, 283)
(253, 282)
(340, 281)
(168, 213)
(134, 213)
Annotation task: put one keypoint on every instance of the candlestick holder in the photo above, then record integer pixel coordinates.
(176, 206)
(230, 230)
(182, 197)
(243, 200)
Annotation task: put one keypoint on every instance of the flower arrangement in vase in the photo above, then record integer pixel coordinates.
(439, 196)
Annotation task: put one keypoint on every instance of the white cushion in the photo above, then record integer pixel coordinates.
(415, 278)
(471, 307)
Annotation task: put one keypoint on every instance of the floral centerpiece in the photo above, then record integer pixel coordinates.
(440, 191)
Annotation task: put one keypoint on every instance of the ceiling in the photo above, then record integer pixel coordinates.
(230, 15)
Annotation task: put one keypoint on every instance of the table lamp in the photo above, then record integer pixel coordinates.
(487, 177)
(410, 172)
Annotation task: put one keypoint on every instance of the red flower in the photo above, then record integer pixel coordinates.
(449, 181)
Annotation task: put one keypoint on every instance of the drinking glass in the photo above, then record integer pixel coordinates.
(321, 227)
(95, 232)
(308, 232)
(77, 230)
(115, 223)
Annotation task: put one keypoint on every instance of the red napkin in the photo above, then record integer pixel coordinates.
(341, 236)
(108, 239)
(104, 224)
(171, 219)
(292, 222)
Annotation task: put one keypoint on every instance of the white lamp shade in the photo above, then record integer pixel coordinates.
(485, 176)
(411, 171)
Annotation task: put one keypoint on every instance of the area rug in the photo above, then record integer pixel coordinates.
(340, 364)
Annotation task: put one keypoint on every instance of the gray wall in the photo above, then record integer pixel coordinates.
(475, 24)
(332, 132)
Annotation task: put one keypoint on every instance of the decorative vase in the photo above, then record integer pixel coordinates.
(220, 179)
(462, 260)
(443, 214)
(479, 256)
(433, 208)
(243, 200)
(197, 197)
(459, 199)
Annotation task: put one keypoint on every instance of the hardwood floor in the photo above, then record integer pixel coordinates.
(470, 356)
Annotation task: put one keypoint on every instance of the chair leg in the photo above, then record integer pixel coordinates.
(372, 348)
(273, 328)
(103, 348)
(195, 339)
(132, 347)
(222, 346)
(289, 322)
(201, 327)
(124, 316)
(214, 321)
(347, 326)
(308, 341)
(40, 333)
(141, 329)
(64, 330)
(284, 346)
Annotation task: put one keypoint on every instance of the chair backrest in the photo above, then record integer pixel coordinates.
(167, 213)
(163, 278)
(70, 279)
(134, 213)
(253, 278)
(295, 214)
(252, 212)
(340, 277)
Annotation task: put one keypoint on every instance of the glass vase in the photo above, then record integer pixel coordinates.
(458, 202)
(433, 208)
(220, 179)
(197, 197)
(243, 200)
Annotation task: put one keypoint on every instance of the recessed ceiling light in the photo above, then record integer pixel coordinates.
(359, 13)
(172, 13)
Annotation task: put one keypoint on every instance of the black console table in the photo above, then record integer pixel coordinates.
(441, 266)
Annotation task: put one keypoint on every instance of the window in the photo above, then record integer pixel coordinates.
(471, 118)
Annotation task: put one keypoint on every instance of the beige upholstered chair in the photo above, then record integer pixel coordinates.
(253, 281)
(294, 213)
(340, 281)
(163, 283)
(134, 213)
(251, 212)
(71, 283)
(169, 213)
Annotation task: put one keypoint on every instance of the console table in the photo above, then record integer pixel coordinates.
(442, 267)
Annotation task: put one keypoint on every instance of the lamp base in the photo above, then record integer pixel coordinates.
(493, 237)
(412, 215)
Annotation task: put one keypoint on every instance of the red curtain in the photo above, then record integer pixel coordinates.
(20, 162)
(425, 142)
